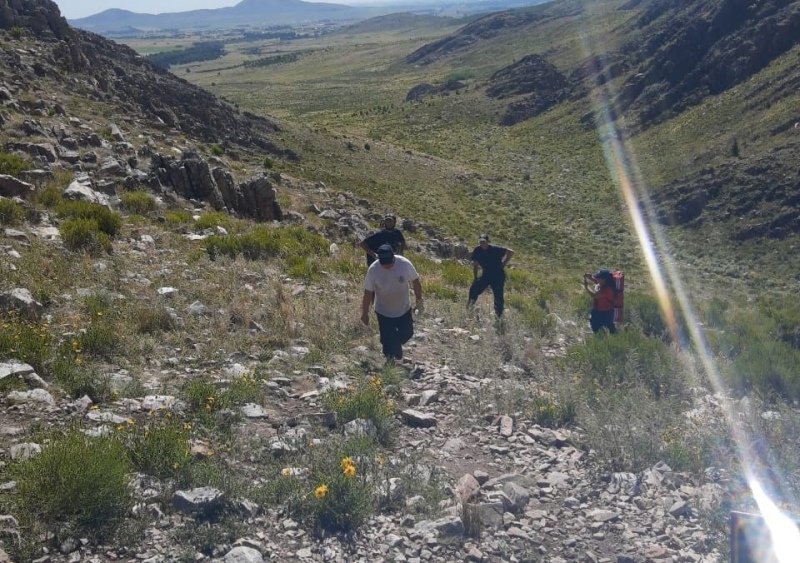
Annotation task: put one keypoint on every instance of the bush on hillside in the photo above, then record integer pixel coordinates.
(138, 202)
(84, 234)
(76, 487)
(627, 358)
(11, 213)
(12, 164)
(49, 197)
(107, 221)
(264, 242)
(339, 490)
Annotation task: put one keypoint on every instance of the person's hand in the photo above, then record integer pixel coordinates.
(365, 319)
(420, 306)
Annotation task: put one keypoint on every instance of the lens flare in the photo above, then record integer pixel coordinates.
(672, 297)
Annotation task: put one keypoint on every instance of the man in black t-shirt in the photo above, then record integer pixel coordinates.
(389, 234)
(492, 261)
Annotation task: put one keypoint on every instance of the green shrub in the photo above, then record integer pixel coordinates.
(77, 486)
(546, 412)
(78, 379)
(50, 197)
(150, 320)
(11, 213)
(107, 221)
(627, 428)
(159, 446)
(216, 150)
(367, 400)
(177, 218)
(714, 312)
(626, 358)
(519, 280)
(436, 290)
(351, 268)
(532, 315)
(97, 305)
(204, 396)
(24, 340)
(138, 202)
(339, 491)
(644, 312)
(456, 274)
(12, 164)
(268, 163)
(100, 339)
(303, 267)
(767, 366)
(213, 220)
(264, 242)
(84, 234)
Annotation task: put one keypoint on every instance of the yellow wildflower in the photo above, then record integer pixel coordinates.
(130, 421)
(321, 491)
(346, 462)
(286, 472)
(349, 471)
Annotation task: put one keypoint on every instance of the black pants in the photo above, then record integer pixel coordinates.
(496, 283)
(395, 331)
(602, 319)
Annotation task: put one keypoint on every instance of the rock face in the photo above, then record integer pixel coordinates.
(112, 70)
(193, 178)
(532, 76)
(42, 17)
(689, 50)
(737, 194)
(483, 28)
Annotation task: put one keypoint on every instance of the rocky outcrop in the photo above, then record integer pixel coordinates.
(686, 51)
(422, 91)
(739, 196)
(41, 17)
(192, 177)
(533, 76)
(483, 28)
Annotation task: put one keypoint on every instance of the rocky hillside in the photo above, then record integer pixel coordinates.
(673, 56)
(193, 382)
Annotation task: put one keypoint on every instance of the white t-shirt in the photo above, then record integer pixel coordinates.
(391, 286)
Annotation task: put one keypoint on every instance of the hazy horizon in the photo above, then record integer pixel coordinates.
(76, 9)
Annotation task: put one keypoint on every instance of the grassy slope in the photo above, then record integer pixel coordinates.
(543, 186)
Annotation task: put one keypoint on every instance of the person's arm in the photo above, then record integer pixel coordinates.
(507, 256)
(416, 285)
(401, 243)
(589, 287)
(366, 301)
(365, 247)
(475, 267)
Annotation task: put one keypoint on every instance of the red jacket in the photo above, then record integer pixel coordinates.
(603, 300)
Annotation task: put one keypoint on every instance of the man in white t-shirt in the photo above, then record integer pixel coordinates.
(387, 282)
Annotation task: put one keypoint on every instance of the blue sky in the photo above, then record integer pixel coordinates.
(81, 8)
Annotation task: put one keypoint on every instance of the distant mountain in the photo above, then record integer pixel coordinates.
(246, 12)
(277, 12)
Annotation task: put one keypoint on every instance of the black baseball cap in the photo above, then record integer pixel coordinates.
(385, 254)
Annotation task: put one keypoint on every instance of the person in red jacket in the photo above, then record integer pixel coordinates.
(600, 285)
